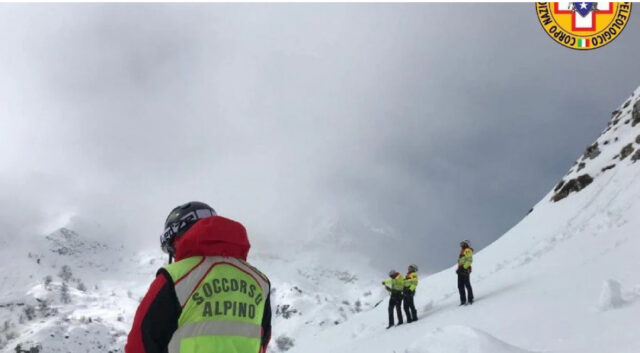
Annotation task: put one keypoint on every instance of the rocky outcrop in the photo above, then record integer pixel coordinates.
(615, 118)
(592, 151)
(635, 114)
(608, 167)
(285, 310)
(620, 140)
(284, 343)
(573, 185)
(626, 151)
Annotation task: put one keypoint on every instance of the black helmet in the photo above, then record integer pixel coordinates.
(180, 219)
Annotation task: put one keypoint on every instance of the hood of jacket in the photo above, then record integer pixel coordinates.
(213, 236)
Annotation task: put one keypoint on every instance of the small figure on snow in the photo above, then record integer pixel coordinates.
(465, 259)
(395, 287)
(410, 285)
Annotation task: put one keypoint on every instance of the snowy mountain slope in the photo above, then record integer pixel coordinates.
(69, 293)
(312, 293)
(564, 279)
(66, 293)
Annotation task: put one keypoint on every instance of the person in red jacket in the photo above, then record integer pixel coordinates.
(191, 230)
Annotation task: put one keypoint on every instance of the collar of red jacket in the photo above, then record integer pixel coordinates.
(213, 236)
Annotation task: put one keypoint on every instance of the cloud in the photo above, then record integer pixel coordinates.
(393, 115)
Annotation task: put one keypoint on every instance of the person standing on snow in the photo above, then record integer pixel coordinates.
(410, 285)
(465, 259)
(210, 299)
(395, 287)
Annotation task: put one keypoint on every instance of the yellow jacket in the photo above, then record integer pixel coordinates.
(465, 259)
(394, 285)
(411, 281)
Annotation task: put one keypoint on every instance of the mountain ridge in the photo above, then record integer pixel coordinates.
(561, 280)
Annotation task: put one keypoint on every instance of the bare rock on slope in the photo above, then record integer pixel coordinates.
(626, 151)
(573, 185)
(592, 151)
(635, 114)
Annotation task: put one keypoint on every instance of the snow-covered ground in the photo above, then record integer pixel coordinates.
(69, 293)
(564, 279)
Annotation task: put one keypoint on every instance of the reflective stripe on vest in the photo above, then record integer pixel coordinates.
(222, 300)
(213, 328)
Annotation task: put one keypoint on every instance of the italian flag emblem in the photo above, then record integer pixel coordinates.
(583, 43)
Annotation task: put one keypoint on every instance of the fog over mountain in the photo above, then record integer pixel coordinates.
(70, 293)
(322, 123)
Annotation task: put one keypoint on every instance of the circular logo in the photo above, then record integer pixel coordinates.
(583, 25)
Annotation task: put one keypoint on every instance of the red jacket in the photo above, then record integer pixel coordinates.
(157, 316)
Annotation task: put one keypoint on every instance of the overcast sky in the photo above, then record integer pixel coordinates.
(430, 122)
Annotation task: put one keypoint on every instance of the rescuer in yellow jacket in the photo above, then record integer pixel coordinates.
(410, 285)
(465, 260)
(210, 300)
(395, 287)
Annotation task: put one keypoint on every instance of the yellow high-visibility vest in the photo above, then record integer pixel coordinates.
(222, 300)
(411, 281)
(395, 284)
(466, 259)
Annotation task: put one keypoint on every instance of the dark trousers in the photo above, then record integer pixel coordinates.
(409, 306)
(394, 303)
(465, 282)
